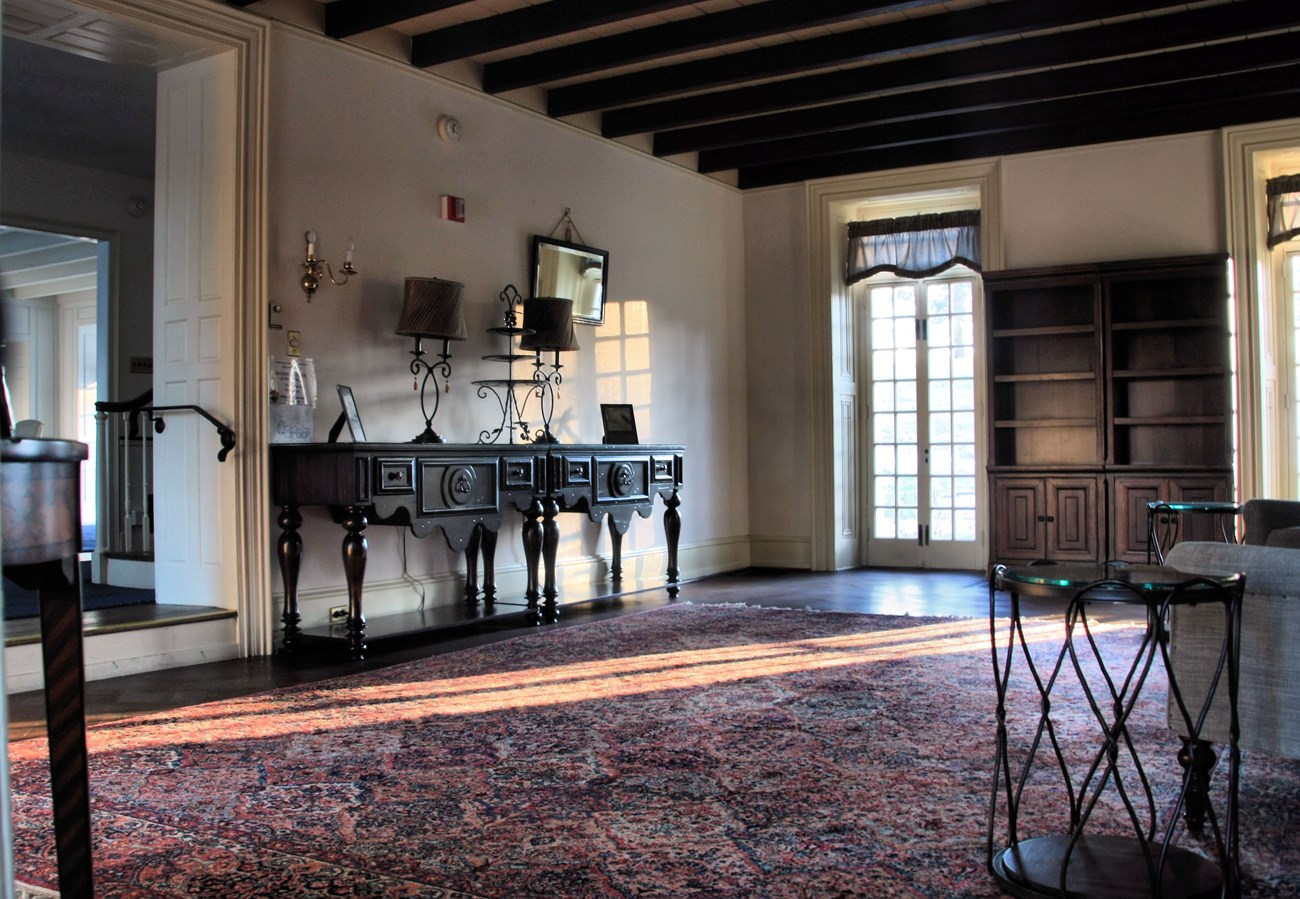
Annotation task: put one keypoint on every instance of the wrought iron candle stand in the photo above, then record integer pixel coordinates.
(506, 390)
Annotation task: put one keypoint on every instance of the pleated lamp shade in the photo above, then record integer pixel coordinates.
(551, 321)
(433, 308)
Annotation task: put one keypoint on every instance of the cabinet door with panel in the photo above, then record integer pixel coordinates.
(1020, 506)
(1132, 494)
(1072, 519)
(1045, 518)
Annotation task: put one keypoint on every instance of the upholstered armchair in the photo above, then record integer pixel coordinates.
(1272, 522)
(1268, 698)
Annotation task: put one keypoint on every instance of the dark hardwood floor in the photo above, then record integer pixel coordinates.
(877, 591)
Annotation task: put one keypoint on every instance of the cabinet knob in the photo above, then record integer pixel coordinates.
(1051, 518)
(1042, 517)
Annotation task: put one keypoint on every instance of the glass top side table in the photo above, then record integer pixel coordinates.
(1164, 533)
(1138, 858)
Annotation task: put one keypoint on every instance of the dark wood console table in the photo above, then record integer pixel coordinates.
(42, 536)
(465, 491)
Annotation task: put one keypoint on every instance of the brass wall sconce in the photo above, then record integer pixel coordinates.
(314, 270)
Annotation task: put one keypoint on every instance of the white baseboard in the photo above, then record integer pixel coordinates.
(781, 552)
(131, 652)
(578, 578)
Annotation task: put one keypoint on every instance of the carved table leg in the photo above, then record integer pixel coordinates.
(550, 548)
(615, 551)
(289, 549)
(1198, 757)
(673, 531)
(65, 710)
(532, 549)
(489, 546)
(471, 565)
(354, 569)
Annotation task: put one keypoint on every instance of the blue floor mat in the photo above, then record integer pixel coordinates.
(22, 603)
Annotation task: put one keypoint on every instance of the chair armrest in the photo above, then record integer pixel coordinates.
(1262, 516)
(1268, 569)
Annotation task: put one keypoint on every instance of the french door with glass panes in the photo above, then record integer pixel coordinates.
(923, 479)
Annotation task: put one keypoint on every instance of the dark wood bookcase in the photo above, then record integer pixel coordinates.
(1109, 386)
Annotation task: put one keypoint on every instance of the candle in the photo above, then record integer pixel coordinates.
(351, 246)
(311, 243)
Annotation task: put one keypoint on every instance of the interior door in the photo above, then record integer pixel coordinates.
(194, 338)
(922, 492)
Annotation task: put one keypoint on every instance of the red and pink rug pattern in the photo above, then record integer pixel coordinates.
(718, 751)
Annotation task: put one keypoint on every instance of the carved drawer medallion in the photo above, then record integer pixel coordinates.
(469, 486)
(624, 479)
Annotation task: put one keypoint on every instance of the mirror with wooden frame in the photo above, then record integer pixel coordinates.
(573, 272)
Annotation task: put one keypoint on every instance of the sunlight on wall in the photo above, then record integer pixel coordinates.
(623, 359)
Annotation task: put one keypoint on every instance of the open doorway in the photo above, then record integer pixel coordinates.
(62, 179)
(51, 285)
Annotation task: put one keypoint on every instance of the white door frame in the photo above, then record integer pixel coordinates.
(224, 28)
(1258, 472)
(836, 535)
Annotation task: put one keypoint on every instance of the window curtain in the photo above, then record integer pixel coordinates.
(916, 246)
(1283, 195)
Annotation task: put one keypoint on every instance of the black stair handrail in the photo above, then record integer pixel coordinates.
(141, 404)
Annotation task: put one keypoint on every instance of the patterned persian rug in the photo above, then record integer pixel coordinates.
(717, 751)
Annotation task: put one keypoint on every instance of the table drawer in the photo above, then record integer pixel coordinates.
(458, 486)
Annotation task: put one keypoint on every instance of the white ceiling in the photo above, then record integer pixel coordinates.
(35, 266)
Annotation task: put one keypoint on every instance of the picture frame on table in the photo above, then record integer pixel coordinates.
(619, 420)
(351, 416)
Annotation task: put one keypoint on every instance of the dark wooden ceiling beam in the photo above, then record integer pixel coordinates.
(529, 23)
(344, 18)
(1137, 126)
(671, 38)
(771, 138)
(879, 42)
(1138, 36)
(1155, 99)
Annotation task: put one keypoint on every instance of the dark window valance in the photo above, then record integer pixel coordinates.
(1283, 195)
(915, 246)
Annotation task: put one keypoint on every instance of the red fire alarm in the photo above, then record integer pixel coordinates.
(453, 208)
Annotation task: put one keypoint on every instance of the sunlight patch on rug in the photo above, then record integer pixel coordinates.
(410, 699)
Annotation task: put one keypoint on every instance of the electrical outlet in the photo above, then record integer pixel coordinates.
(338, 614)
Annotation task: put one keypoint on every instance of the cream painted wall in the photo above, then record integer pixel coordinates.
(355, 153)
(1159, 197)
(777, 342)
(1135, 200)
